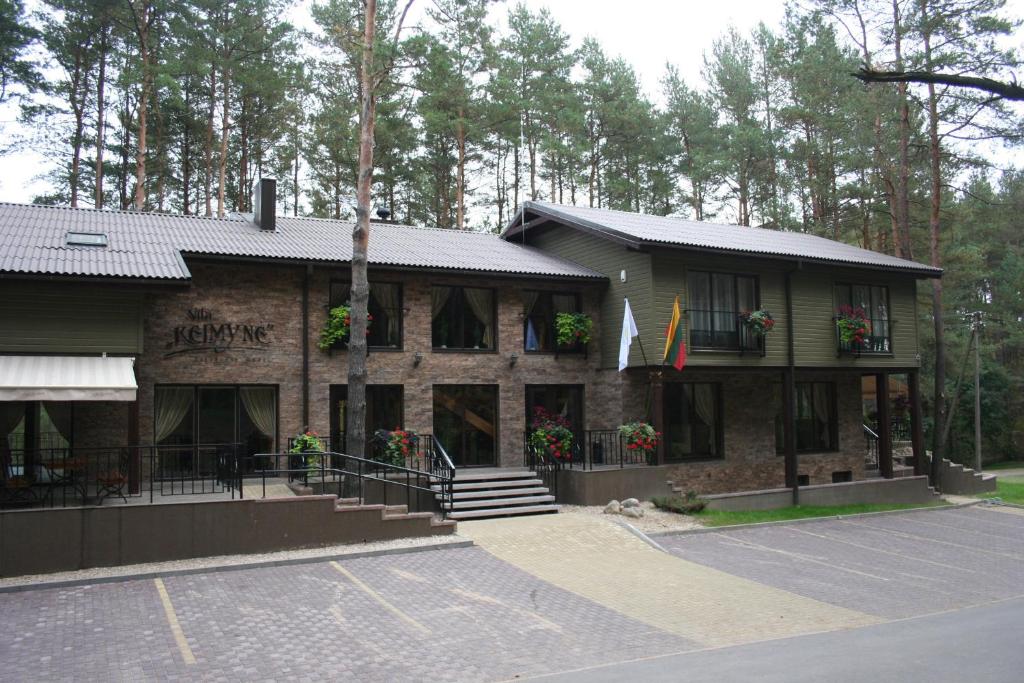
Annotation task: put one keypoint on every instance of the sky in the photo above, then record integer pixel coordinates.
(646, 33)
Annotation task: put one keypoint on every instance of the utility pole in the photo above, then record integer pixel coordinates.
(976, 323)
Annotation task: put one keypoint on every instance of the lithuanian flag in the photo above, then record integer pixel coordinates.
(675, 348)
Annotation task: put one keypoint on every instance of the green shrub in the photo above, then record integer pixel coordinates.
(690, 504)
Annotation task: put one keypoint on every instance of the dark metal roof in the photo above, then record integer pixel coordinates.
(151, 245)
(637, 229)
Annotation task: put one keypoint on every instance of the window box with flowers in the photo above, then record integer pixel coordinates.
(307, 449)
(853, 327)
(550, 434)
(755, 326)
(396, 447)
(573, 332)
(640, 438)
(335, 331)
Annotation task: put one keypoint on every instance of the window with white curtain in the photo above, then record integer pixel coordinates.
(715, 301)
(693, 420)
(817, 428)
(539, 311)
(384, 307)
(463, 318)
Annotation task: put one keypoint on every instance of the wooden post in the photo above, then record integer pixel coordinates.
(789, 432)
(916, 424)
(134, 455)
(884, 425)
(658, 412)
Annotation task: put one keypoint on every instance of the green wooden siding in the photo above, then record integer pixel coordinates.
(654, 279)
(610, 259)
(814, 307)
(71, 318)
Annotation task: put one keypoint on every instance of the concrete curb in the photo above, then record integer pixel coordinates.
(68, 583)
(641, 535)
(807, 520)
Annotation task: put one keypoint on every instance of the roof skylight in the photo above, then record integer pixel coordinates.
(86, 239)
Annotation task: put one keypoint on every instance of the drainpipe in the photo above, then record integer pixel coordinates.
(789, 393)
(305, 347)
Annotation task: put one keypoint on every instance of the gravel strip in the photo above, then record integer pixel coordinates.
(653, 520)
(222, 562)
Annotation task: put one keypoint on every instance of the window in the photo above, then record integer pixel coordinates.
(816, 418)
(557, 399)
(462, 318)
(86, 239)
(192, 421)
(693, 421)
(385, 308)
(384, 410)
(466, 422)
(715, 302)
(539, 311)
(875, 302)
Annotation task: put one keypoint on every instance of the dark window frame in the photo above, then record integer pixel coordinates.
(401, 311)
(223, 385)
(550, 324)
(718, 430)
(833, 422)
(837, 302)
(494, 320)
(739, 347)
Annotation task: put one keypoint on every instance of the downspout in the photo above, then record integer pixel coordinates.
(305, 347)
(789, 390)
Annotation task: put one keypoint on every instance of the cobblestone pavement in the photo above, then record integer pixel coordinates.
(447, 615)
(890, 566)
(602, 561)
(539, 595)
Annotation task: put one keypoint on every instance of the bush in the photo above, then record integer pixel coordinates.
(690, 504)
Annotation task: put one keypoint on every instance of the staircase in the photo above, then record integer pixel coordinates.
(964, 481)
(497, 492)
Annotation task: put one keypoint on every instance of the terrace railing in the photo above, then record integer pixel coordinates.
(719, 330)
(539, 461)
(65, 477)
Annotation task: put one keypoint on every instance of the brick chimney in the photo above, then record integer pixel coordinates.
(265, 204)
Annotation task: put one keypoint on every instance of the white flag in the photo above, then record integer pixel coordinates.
(628, 332)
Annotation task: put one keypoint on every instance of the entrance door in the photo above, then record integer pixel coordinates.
(466, 422)
(384, 410)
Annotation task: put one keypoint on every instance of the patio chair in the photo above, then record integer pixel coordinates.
(113, 481)
(15, 489)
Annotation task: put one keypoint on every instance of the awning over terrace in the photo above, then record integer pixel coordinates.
(67, 378)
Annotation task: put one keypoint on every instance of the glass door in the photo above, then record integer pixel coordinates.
(466, 422)
(216, 425)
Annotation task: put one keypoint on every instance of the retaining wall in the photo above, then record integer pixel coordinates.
(904, 490)
(43, 541)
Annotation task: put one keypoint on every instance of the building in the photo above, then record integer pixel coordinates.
(120, 328)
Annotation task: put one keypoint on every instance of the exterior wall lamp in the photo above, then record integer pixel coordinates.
(417, 358)
(513, 359)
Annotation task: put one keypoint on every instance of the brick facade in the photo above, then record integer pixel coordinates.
(271, 295)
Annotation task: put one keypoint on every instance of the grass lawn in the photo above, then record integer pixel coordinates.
(727, 518)
(1010, 489)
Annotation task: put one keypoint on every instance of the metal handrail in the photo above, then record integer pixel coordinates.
(871, 446)
(366, 470)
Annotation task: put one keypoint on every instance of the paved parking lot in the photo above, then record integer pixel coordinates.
(537, 596)
(891, 566)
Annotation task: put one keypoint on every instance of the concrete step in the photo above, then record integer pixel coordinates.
(490, 493)
(502, 512)
(502, 502)
(493, 474)
(492, 484)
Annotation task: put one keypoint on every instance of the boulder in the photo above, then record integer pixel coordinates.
(613, 508)
(631, 503)
(635, 513)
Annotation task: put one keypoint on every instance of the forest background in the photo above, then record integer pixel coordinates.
(180, 105)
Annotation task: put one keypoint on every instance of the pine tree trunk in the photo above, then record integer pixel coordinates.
(460, 180)
(902, 245)
(208, 151)
(356, 427)
(934, 225)
(101, 82)
(222, 163)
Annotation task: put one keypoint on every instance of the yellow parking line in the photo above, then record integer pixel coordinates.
(380, 599)
(172, 620)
